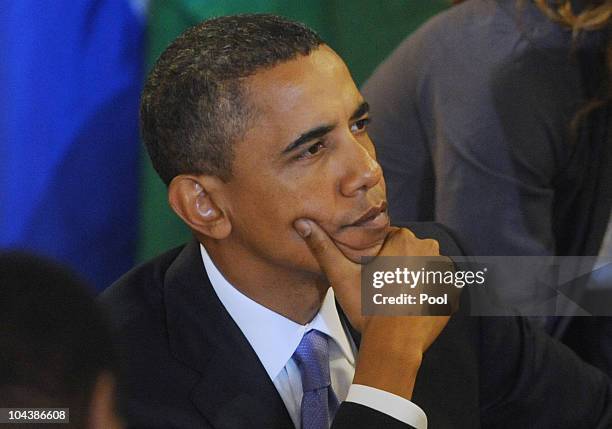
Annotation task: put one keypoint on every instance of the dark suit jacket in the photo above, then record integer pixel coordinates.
(188, 365)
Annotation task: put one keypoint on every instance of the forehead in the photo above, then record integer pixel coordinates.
(300, 94)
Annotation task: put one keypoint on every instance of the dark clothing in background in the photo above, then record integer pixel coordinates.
(471, 125)
(189, 365)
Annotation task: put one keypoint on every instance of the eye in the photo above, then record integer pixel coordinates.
(360, 125)
(312, 150)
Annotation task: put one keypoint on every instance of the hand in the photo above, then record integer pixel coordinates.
(391, 347)
(344, 275)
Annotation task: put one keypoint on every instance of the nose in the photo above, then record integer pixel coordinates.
(363, 172)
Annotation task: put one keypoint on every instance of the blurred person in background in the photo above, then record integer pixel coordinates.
(494, 119)
(55, 346)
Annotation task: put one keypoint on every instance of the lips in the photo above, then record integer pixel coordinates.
(374, 217)
(365, 235)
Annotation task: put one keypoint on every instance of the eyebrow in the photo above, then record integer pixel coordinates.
(320, 131)
(363, 108)
(309, 135)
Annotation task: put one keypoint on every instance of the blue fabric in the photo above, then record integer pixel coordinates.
(70, 79)
(319, 403)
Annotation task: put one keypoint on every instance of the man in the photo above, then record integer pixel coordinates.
(261, 135)
(55, 347)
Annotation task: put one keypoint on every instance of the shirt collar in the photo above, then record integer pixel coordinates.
(272, 336)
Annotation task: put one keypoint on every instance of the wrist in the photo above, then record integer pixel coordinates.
(387, 370)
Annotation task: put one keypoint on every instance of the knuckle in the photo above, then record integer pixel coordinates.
(434, 245)
(408, 233)
(428, 247)
(402, 235)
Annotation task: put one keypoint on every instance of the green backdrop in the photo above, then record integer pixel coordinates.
(363, 32)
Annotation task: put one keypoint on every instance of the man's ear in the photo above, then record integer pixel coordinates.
(197, 201)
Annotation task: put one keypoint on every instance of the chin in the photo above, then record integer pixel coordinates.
(356, 255)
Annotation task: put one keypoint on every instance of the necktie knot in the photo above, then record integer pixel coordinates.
(312, 358)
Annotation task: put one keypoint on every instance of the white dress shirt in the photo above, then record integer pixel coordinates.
(274, 339)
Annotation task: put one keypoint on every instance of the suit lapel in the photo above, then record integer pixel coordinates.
(234, 390)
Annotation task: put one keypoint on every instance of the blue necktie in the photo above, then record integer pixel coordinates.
(319, 403)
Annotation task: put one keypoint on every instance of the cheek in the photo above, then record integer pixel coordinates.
(269, 230)
(275, 202)
(315, 203)
(318, 200)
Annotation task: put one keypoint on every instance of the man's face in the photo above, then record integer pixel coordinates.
(307, 155)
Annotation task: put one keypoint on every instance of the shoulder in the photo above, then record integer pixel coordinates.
(155, 386)
(480, 26)
(139, 289)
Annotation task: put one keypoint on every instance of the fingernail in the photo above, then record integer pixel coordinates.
(302, 227)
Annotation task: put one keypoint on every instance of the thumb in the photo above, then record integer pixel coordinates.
(331, 260)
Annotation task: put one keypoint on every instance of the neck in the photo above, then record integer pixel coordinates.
(294, 294)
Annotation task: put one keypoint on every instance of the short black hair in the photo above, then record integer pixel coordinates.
(54, 340)
(194, 105)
